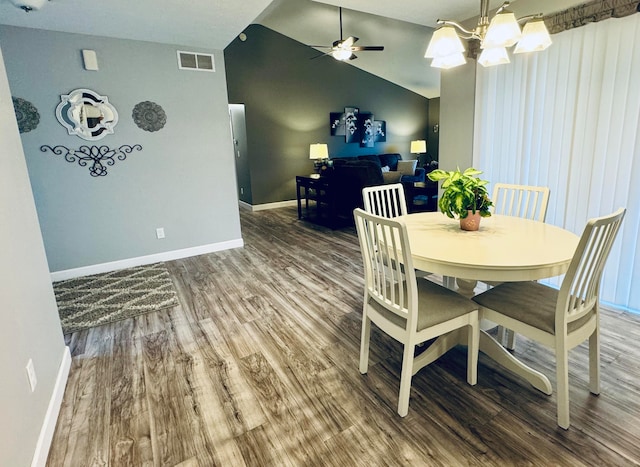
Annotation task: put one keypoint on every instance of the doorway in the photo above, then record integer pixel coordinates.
(239, 138)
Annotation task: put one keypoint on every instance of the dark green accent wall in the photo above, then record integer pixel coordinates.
(288, 98)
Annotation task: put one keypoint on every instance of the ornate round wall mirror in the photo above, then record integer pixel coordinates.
(87, 114)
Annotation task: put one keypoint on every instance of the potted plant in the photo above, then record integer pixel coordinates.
(464, 195)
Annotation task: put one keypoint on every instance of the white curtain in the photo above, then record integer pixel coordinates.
(568, 118)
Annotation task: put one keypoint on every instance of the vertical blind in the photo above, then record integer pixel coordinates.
(568, 118)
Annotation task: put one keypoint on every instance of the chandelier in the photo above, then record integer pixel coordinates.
(447, 51)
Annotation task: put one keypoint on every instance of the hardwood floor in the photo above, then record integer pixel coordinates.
(258, 366)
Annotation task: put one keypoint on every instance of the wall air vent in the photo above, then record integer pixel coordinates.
(195, 61)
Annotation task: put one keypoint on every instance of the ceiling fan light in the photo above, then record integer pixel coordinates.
(341, 54)
(444, 42)
(504, 31)
(494, 56)
(535, 37)
(449, 61)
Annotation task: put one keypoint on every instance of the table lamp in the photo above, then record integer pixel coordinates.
(318, 153)
(418, 147)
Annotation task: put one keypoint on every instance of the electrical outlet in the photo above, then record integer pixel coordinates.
(242, 191)
(160, 232)
(31, 374)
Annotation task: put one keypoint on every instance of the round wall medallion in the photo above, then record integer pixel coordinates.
(26, 114)
(149, 116)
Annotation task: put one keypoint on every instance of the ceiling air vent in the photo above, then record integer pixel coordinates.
(195, 61)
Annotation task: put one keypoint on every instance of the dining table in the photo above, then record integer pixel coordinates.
(503, 249)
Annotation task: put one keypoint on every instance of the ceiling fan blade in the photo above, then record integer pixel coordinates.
(367, 47)
(320, 55)
(349, 41)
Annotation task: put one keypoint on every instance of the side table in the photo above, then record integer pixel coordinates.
(318, 191)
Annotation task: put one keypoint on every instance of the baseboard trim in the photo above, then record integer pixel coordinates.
(264, 207)
(50, 419)
(142, 260)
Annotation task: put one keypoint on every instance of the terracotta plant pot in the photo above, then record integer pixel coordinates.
(471, 222)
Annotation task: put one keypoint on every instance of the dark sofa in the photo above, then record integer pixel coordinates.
(350, 175)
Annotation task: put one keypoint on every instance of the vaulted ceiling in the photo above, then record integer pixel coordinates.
(403, 26)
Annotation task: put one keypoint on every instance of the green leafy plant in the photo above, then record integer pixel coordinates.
(462, 192)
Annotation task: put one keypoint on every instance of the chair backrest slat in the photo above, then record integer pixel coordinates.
(579, 290)
(529, 202)
(385, 200)
(388, 268)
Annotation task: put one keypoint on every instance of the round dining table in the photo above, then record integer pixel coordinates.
(504, 249)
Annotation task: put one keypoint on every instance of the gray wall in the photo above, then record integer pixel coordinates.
(457, 107)
(182, 180)
(288, 98)
(30, 327)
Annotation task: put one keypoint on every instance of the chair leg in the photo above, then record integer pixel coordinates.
(562, 376)
(511, 339)
(405, 380)
(364, 343)
(473, 343)
(594, 362)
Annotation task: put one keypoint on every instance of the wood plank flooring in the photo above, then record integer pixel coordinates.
(258, 366)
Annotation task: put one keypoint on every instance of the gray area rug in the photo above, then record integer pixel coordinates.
(90, 301)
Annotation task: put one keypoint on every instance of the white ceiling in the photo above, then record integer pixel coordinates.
(402, 26)
(210, 24)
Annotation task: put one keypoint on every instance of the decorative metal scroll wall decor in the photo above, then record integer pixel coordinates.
(87, 114)
(98, 156)
(26, 114)
(149, 116)
(358, 127)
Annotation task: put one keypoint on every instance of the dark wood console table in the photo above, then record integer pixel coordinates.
(318, 191)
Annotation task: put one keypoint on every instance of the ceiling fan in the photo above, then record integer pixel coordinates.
(343, 49)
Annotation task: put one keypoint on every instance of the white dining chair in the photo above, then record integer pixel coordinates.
(528, 202)
(561, 319)
(408, 310)
(385, 200)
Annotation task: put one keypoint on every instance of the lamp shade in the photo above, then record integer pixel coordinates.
(535, 37)
(449, 61)
(492, 57)
(318, 151)
(418, 146)
(504, 31)
(444, 42)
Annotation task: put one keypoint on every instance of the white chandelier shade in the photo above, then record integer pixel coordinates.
(493, 56)
(449, 61)
(535, 37)
(495, 36)
(504, 31)
(445, 41)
